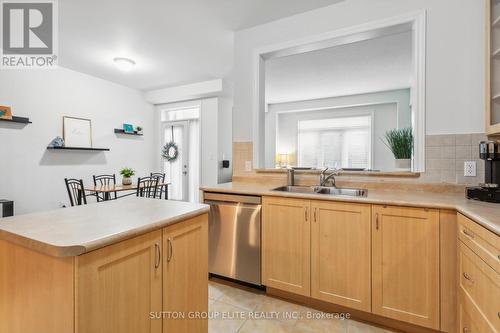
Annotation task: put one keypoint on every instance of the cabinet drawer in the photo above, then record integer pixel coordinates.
(483, 242)
(471, 320)
(482, 284)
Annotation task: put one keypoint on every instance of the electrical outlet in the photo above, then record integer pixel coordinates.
(248, 166)
(470, 168)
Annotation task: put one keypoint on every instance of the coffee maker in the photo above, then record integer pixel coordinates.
(490, 190)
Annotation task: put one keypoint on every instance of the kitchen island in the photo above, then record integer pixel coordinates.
(132, 265)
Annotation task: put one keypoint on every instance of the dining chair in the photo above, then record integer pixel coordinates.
(161, 180)
(105, 180)
(76, 191)
(147, 187)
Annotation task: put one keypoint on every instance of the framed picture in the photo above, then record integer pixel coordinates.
(77, 132)
(128, 128)
(5, 112)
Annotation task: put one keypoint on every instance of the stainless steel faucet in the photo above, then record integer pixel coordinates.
(324, 178)
(291, 177)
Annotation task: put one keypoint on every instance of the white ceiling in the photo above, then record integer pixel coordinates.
(172, 41)
(378, 64)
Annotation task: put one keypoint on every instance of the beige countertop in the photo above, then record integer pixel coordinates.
(486, 214)
(77, 230)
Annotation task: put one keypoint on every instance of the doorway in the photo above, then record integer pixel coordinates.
(183, 173)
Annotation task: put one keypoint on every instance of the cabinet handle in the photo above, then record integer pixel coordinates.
(376, 221)
(468, 233)
(305, 213)
(314, 214)
(466, 330)
(157, 256)
(468, 277)
(170, 250)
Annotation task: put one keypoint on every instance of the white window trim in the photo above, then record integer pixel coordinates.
(418, 22)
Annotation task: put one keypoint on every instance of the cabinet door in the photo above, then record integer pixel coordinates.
(119, 286)
(405, 247)
(286, 245)
(341, 254)
(185, 276)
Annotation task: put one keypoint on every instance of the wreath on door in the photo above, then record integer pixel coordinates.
(170, 151)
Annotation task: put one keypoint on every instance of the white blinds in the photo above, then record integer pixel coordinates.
(343, 142)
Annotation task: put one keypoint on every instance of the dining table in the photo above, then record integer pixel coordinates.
(104, 191)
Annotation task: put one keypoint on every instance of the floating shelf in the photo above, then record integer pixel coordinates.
(78, 148)
(19, 120)
(120, 131)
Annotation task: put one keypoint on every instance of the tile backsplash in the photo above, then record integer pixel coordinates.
(445, 156)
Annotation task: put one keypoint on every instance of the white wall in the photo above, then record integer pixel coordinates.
(455, 56)
(383, 63)
(34, 177)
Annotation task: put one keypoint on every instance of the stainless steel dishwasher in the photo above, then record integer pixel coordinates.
(234, 227)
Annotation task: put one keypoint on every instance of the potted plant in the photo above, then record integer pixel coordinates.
(127, 173)
(400, 142)
(139, 129)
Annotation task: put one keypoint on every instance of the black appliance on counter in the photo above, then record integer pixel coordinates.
(490, 190)
(6, 208)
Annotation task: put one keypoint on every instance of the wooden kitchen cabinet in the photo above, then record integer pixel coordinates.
(405, 264)
(286, 251)
(341, 253)
(185, 276)
(118, 286)
(492, 66)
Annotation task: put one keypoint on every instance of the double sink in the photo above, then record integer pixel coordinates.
(324, 190)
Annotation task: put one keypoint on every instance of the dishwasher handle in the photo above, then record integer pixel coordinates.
(231, 204)
(232, 198)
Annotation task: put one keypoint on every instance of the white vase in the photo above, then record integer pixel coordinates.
(127, 181)
(404, 163)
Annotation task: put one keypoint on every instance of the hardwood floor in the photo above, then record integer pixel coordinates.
(235, 310)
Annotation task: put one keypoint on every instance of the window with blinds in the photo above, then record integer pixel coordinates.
(343, 142)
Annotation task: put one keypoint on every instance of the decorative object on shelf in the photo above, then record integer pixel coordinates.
(127, 173)
(138, 129)
(77, 132)
(5, 112)
(170, 151)
(56, 142)
(128, 128)
(400, 142)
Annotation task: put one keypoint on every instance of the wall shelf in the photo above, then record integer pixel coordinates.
(78, 148)
(19, 120)
(121, 131)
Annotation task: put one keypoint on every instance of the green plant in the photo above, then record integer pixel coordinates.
(127, 172)
(400, 142)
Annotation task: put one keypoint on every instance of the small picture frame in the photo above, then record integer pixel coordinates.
(5, 112)
(77, 132)
(128, 128)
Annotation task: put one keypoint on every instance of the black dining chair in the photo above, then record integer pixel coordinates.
(162, 188)
(147, 187)
(76, 191)
(105, 180)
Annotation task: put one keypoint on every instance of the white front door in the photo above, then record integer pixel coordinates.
(177, 171)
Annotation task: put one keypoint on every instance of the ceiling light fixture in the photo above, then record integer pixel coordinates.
(124, 64)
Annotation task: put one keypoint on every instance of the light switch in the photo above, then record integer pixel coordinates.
(470, 169)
